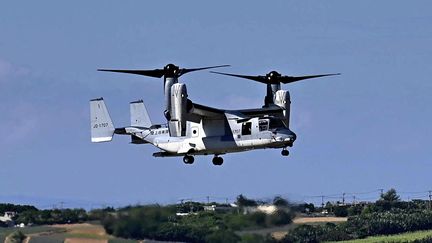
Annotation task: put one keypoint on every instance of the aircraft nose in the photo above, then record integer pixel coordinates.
(293, 136)
(290, 138)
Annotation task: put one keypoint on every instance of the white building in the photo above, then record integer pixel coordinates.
(7, 216)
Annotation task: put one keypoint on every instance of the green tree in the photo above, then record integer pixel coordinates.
(390, 196)
(259, 218)
(340, 211)
(280, 202)
(243, 201)
(387, 201)
(281, 217)
(222, 236)
(303, 233)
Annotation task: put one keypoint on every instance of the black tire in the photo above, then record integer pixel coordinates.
(217, 160)
(188, 159)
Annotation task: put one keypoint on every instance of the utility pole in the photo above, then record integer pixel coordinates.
(208, 199)
(430, 200)
(322, 202)
(343, 198)
(354, 200)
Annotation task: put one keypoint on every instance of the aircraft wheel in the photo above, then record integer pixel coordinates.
(217, 160)
(187, 159)
(285, 152)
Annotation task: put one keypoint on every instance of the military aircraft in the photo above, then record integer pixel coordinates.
(193, 129)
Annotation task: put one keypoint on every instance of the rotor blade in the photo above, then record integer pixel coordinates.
(187, 70)
(276, 79)
(261, 79)
(156, 73)
(290, 79)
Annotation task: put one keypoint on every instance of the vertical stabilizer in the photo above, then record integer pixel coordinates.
(282, 99)
(139, 115)
(102, 128)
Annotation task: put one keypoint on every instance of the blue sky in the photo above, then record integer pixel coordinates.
(364, 130)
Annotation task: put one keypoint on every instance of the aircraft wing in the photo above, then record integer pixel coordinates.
(202, 112)
(259, 112)
(205, 112)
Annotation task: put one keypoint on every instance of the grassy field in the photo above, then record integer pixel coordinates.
(406, 237)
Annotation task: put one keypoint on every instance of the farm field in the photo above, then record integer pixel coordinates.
(280, 232)
(70, 233)
(406, 237)
(313, 220)
(95, 233)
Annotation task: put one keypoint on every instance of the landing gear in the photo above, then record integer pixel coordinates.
(187, 159)
(285, 152)
(217, 160)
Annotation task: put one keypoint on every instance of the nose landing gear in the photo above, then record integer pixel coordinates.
(217, 160)
(285, 152)
(187, 159)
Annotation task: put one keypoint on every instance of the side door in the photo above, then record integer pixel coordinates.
(246, 129)
(246, 134)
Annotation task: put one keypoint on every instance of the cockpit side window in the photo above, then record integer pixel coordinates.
(276, 123)
(263, 125)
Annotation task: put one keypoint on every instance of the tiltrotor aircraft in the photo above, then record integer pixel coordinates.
(194, 129)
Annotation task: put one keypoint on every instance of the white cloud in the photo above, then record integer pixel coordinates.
(9, 70)
(18, 124)
(5, 68)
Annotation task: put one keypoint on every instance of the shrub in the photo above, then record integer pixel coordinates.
(15, 237)
(302, 234)
(252, 238)
(340, 211)
(222, 236)
(281, 217)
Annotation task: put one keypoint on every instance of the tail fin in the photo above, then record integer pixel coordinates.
(139, 115)
(102, 128)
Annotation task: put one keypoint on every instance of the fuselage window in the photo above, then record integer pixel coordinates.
(263, 125)
(247, 128)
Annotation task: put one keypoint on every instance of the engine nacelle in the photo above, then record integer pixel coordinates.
(282, 99)
(177, 122)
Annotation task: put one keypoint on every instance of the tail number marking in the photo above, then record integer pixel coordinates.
(101, 125)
